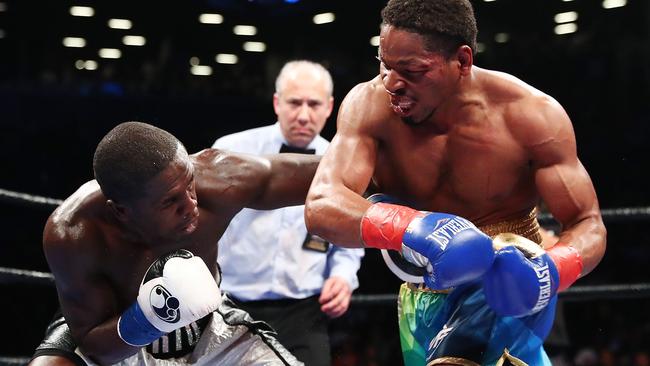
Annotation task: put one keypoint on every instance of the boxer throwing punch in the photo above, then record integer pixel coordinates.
(468, 151)
(129, 250)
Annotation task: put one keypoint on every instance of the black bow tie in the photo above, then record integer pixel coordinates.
(296, 150)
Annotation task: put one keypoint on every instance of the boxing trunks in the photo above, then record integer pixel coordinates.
(457, 327)
(228, 336)
(58, 342)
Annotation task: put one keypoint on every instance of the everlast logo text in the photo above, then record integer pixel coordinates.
(544, 278)
(444, 233)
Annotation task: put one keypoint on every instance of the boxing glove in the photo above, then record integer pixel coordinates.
(176, 290)
(456, 250)
(524, 277)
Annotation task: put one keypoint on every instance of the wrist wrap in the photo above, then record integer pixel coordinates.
(383, 225)
(568, 263)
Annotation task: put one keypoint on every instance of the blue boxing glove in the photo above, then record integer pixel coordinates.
(523, 278)
(457, 251)
(177, 289)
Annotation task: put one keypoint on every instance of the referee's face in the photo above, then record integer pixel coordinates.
(302, 106)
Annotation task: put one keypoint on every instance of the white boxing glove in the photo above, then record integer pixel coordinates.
(177, 289)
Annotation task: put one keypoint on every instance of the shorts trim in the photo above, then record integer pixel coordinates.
(75, 358)
(509, 360)
(505, 360)
(421, 287)
(452, 361)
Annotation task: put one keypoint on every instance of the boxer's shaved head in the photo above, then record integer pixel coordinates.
(129, 156)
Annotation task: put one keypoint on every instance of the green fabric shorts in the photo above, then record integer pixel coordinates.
(416, 311)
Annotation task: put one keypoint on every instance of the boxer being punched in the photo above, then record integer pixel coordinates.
(442, 135)
(129, 250)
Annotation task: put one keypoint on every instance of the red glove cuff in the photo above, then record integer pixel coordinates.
(383, 225)
(568, 263)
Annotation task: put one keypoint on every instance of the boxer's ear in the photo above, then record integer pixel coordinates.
(465, 59)
(120, 211)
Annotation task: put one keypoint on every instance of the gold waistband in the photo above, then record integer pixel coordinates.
(526, 226)
(420, 287)
(505, 359)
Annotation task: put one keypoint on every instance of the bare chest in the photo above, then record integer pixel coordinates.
(466, 170)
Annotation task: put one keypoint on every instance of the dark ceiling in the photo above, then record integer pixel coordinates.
(33, 31)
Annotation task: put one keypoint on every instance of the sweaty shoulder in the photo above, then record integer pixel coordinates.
(224, 179)
(533, 117)
(365, 107)
(218, 166)
(76, 222)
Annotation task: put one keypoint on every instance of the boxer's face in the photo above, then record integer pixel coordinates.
(417, 80)
(168, 210)
(302, 105)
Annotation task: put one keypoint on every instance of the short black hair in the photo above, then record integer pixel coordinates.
(129, 156)
(445, 24)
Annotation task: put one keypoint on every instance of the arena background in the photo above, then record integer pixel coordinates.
(54, 108)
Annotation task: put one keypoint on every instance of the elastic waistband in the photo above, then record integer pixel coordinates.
(526, 226)
(420, 287)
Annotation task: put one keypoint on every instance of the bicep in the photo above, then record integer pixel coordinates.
(349, 162)
(229, 181)
(561, 179)
(85, 300)
(284, 180)
(226, 181)
(350, 159)
(567, 190)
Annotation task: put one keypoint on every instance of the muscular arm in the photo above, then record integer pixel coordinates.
(563, 182)
(87, 301)
(334, 206)
(234, 180)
